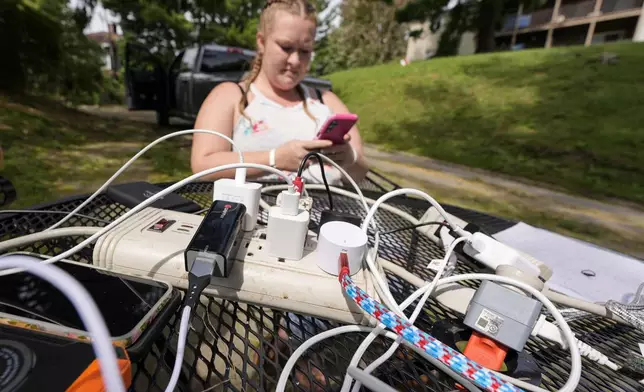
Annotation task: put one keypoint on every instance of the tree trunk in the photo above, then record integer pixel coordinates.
(13, 75)
(490, 12)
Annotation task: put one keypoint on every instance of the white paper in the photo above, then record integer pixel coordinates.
(617, 276)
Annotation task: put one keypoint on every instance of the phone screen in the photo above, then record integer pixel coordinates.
(122, 302)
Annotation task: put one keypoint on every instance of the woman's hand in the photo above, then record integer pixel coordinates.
(289, 155)
(342, 154)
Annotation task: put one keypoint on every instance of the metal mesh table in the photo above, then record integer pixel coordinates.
(239, 347)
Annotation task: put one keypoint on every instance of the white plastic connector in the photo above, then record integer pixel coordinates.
(240, 176)
(288, 226)
(290, 201)
(493, 253)
(246, 193)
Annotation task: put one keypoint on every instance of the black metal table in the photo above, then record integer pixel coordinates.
(239, 347)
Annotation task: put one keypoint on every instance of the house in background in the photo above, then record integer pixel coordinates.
(426, 44)
(108, 42)
(557, 23)
(574, 22)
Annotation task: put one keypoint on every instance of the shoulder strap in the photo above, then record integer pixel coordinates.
(319, 93)
(240, 87)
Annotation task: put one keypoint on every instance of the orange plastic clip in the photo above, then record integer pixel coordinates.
(485, 351)
(91, 381)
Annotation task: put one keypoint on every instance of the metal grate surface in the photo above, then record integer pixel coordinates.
(238, 347)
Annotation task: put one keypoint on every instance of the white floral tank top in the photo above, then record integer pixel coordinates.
(274, 124)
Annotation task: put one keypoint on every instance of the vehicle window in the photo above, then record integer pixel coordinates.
(188, 60)
(219, 61)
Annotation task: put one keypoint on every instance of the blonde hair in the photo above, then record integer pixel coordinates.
(266, 22)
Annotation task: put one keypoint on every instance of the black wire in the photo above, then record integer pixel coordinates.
(326, 184)
(415, 227)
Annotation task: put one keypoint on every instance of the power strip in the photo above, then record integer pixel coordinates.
(151, 244)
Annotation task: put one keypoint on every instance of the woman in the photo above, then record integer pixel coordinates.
(270, 114)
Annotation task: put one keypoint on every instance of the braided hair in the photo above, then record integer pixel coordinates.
(266, 20)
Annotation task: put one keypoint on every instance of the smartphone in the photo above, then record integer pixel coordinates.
(129, 305)
(336, 126)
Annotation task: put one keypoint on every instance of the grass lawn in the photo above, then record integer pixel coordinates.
(556, 116)
(52, 151)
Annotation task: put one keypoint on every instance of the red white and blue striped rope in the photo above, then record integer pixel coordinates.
(437, 349)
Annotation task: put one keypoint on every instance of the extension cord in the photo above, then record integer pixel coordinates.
(256, 278)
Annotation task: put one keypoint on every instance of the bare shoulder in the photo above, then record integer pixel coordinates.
(221, 99)
(228, 91)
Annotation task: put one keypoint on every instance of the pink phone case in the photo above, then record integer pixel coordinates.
(336, 126)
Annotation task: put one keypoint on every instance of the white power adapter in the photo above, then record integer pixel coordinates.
(239, 191)
(337, 237)
(288, 226)
(493, 254)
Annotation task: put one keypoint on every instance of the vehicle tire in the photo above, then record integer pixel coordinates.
(163, 118)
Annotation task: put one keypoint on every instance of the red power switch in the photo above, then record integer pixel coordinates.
(161, 225)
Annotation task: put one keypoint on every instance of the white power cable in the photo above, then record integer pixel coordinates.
(428, 290)
(151, 200)
(134, 158)
(290, 364)
(87, 311)
(368, 380)
(410, 191)
(343, 192)
(47, 235)
(51, 212)
(388, 298)
(181, 348)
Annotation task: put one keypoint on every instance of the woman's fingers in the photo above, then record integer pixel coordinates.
(316, 144)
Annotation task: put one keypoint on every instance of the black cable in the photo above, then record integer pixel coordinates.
(326, 184)
(414, 227)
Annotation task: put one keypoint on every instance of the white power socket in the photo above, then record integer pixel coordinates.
(258, 278)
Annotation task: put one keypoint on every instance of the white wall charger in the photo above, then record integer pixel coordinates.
(246, 193)
(336, 237)
(288, 225)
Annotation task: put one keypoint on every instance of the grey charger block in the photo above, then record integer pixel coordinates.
(503, 314)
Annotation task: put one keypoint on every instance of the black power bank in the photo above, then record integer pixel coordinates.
(215, 239)
(133, 193)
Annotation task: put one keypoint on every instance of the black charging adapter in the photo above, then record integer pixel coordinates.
(331, 216)
(211, 249)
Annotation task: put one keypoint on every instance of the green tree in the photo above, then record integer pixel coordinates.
(165, 26)
(45, 51)
(29, 44)
(159, 25)
(368, 35)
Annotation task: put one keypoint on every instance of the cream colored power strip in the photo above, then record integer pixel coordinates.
(137, 248)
